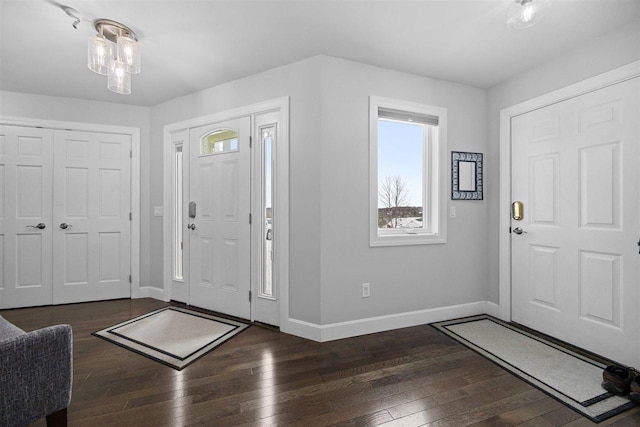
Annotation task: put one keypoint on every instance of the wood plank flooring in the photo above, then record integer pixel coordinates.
(408, 377)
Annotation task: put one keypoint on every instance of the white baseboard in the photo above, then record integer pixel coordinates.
(300, 328)
(151, 292)
(353, 328)
(493, 309)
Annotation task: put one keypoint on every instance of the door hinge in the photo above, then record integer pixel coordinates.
(249, 296)
(181, 245)
(131, 154)
(250, 142)
(249, 218)
(130, 216)
(639, 246)
(129, 278)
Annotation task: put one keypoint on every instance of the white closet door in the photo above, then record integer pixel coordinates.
(25, 202)
(91, 256)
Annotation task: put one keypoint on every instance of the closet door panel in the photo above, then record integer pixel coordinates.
(92, 204)
(26, 162)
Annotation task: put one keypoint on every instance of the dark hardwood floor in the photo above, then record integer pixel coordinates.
(407, 377)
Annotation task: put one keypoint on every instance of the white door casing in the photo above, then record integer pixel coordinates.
(265, 307)
(92, 233)
(219, 248)
(172, 136)
(575, 272)
(25, 201)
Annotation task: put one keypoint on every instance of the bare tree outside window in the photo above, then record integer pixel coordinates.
(392, 194)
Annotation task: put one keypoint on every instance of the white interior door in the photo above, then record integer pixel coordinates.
(575, 266)
(25, 202)
(92, 236)
(219, 185)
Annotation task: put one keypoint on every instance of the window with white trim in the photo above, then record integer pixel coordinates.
(178, 238)
(407, 143)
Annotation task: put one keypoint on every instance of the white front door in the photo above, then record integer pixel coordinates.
(26, 226)
(575, 264)
(92, 250)
(219, 233)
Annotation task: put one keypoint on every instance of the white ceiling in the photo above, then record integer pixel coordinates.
(190, 45)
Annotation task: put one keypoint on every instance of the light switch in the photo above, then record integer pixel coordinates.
(452, 211)
(157, 211)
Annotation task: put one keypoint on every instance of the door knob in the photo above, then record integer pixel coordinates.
(191, 226)
(40, 226)
(64, 225)
(519, 230)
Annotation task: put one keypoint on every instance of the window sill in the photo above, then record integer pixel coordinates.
(406, 239)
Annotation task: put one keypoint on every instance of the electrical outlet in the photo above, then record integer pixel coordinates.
(366, 290)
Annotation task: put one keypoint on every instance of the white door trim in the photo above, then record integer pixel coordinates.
(598, 82)
(281, 261)
(134, 133)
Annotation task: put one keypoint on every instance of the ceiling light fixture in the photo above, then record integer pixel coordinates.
(526, 13)
(73, 14)
(114, 52)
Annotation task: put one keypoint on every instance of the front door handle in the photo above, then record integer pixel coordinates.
(40, 226)
(191, 226)
(64, 225)
(519, 230)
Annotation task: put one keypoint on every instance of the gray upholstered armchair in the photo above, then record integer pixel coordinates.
(36, 371)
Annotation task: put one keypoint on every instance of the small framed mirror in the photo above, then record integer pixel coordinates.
(466, 176)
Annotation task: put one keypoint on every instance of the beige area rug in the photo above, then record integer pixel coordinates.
(173, 336)
(569, 377)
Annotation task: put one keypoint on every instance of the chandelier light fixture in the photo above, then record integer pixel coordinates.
(114, 52)
(526, 13)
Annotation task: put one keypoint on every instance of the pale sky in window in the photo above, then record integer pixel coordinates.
(400, 153)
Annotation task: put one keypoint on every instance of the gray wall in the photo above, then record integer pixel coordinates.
(592, 58)
(301, 82)
(403, 278)
(25, 105)
(329, 194)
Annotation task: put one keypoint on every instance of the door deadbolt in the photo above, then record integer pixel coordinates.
(517, 210)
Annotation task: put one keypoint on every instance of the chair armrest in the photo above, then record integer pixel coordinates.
(36, 373)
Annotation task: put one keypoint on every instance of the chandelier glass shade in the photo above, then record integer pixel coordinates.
(120, 80)
(526, 13)
(114, 52)
(129, 54)
(100, 57)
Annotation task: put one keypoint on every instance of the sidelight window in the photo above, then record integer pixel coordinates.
(178, 245)
(268, 135)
